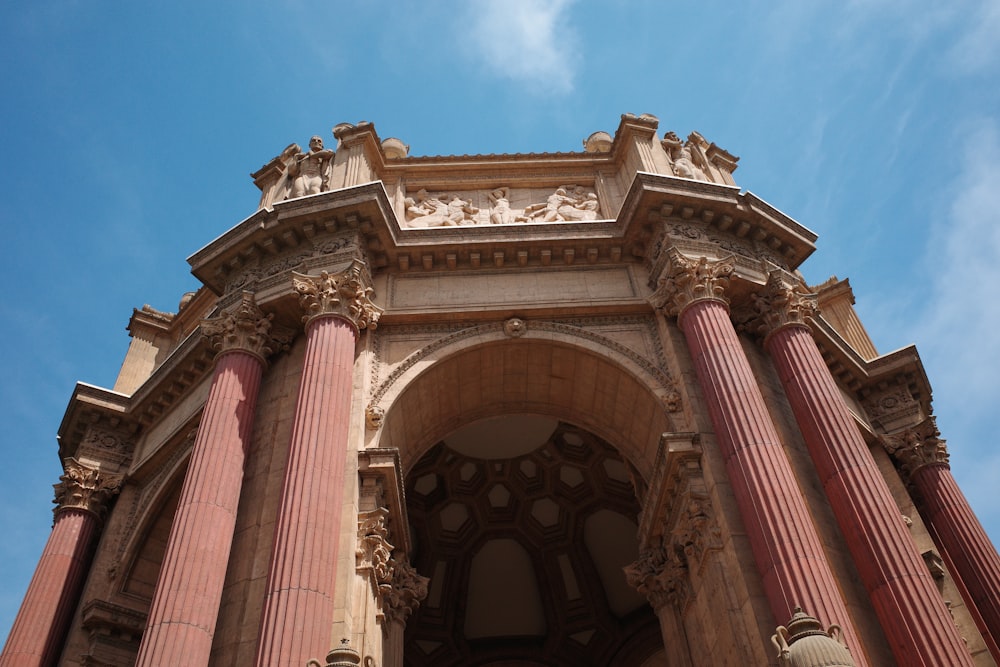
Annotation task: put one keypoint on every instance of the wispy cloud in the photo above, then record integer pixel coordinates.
(526, 41)
(978, 47)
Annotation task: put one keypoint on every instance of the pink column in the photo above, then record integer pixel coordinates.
(924, 457)
(913, 615)
(185, 606)
(786, 547)
(39, 630)
(298, 611)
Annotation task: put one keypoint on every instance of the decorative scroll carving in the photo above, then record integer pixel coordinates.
(246, 328)
(687, 280)
(347, 294)
(784, 301)
(86, 488)
(916, 447)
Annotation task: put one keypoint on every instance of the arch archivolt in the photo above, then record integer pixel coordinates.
(572, 371)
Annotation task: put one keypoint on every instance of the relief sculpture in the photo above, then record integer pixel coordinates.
(567, 203)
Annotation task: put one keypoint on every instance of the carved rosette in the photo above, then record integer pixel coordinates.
(687, 281)
(405, 592)
(246, 328)
(662, 576)
(782, 302)
(346, 294)
(85, 488)
(916, 447)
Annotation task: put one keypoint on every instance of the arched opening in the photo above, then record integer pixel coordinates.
(523, 524)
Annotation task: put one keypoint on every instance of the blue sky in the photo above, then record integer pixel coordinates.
(129, 132)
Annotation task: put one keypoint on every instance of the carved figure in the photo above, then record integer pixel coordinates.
(502, 213)
(309, 170)
(563, 206)
(432, 211)
(682, 157)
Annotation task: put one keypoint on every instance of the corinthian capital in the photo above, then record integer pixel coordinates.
(245, 328)
(346, 294)
(405, 592)
(689, 280)
(86, 488)
(916, 447)
(782, 302)
(661, 575)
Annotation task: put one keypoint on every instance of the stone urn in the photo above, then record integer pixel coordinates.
(343, 656)
(804, 643)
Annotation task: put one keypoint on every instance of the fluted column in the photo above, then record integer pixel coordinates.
(39, 629)
(923, 458)
(185, 606)
(786, 546)
(913, 615)
(298, 610)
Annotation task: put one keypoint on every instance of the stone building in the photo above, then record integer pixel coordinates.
(548, 409)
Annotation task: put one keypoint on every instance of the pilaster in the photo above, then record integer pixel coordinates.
(911, 611)
(185, 606)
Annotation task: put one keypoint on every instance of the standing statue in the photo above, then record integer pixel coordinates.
(309, 170)
(501, 213)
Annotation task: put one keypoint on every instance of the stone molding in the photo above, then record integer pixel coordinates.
(86, 488)
(678, 527)
(783, 302)
(916, 447)
(246, 328)
(686, 281)
(346, 295)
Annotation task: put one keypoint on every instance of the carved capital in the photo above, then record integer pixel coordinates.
(916, 447)
(405, 592)
(246, 328)
(782, 302)
(686, 281)
(86, 488)
(346, 294)
(374, 552)
(662, 576)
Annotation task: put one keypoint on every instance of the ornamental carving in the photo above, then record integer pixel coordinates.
(782, 302)
(346, 294)
(916, 447)
(687, 280)
(246, 328)
(662, 576)
(397, 586)
(85, 488)
(500, 206)
(892, 405)
(405, 593)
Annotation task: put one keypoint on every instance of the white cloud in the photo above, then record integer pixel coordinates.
(527, 41)
(978, 47)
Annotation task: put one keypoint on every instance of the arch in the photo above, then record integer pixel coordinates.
(553, 369)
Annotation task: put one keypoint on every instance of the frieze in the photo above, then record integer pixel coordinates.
(892, 404)
(107, 446)
(916, 447)
(500, 206)
(86, 488)
(252, 276)
(575, 327)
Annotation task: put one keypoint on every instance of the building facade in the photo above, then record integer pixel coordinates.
(544, 409)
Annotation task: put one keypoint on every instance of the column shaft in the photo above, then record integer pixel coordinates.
(962, 537)
(185, 606)
(913, 615)
(786, 547)
(298, 610)
(39, 629)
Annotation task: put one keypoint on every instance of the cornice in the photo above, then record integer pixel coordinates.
(91, 406)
